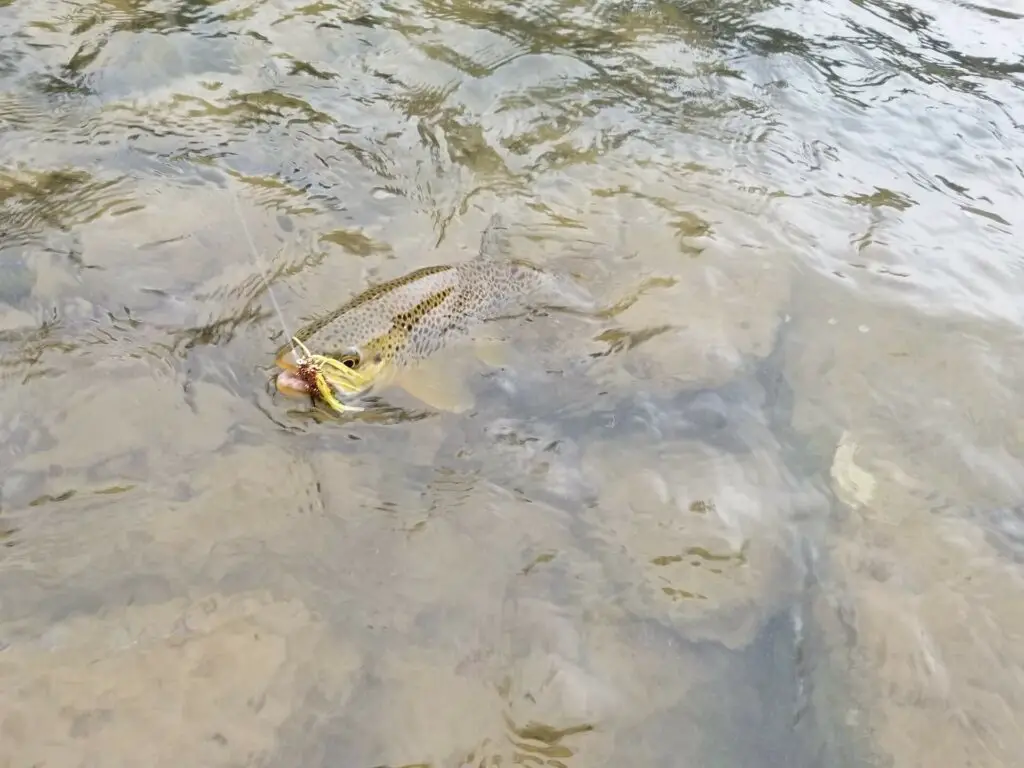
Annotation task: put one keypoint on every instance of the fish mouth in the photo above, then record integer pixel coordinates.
(288, 381)
(291, 381)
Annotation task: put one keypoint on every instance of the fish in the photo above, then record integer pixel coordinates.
(383, 335)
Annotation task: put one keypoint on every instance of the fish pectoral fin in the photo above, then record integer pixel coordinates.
(492, 351)
(437, 386)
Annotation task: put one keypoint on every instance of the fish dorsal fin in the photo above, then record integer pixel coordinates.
(494, 240)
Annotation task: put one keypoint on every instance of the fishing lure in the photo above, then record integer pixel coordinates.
(312, 369)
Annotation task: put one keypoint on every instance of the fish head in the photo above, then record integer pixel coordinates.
(359, 346)
(351, 373)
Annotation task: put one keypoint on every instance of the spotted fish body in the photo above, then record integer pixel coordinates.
(406, 320)
(412, 317)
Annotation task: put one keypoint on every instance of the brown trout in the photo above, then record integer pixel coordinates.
(392, 327)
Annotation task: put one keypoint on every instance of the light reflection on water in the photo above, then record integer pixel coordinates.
(766, 512)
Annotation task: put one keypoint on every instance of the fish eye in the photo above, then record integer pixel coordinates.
(349, 359)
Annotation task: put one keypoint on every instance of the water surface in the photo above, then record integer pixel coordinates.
(768, 513)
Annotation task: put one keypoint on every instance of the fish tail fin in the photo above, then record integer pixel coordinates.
(562, 291)
(558, 290)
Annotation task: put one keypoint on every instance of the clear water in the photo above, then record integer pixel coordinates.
(763, 514)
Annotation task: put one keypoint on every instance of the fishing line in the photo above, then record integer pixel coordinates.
(312, 365)
(262, 269)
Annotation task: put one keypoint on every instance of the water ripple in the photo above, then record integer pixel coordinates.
(852, 163)
(33, 201)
